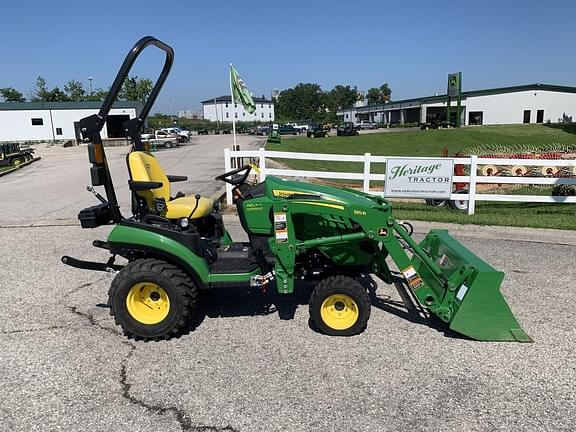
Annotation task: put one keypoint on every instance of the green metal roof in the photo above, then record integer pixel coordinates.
(12, 106)
(466, 94)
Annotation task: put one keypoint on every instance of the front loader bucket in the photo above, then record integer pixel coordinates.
(464, 291)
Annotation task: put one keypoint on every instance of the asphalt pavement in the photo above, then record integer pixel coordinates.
(250, 361)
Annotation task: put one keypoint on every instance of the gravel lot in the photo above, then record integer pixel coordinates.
(251, 362)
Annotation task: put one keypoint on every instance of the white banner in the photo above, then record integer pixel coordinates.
(419, 178)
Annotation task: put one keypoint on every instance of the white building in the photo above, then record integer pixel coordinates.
(189, 114)
(51, 121)
(222, 109)
(532, 103)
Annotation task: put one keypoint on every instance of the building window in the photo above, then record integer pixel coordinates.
(226, 104)
(243, 114)
(37, 122)
(269, 106)
(346, 115)
(235, 115)
(261, 105)
(526, 116)
(540, 116)
(58, 131)
(476, 118)
(262, 115)
(227, 115)
(235, 105)
(269, 115)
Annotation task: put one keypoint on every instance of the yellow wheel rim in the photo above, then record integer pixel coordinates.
(147, 303)
(339, 311)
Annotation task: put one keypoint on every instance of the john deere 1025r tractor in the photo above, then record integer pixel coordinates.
(176, 246)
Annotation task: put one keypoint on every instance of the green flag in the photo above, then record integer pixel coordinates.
(240, 91)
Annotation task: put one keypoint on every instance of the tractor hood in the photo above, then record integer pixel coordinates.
(281, 188)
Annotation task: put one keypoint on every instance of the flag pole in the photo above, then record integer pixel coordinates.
(234, 145)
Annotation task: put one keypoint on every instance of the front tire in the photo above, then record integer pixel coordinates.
(340, 306)
(152, 299)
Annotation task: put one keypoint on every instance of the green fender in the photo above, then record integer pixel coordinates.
(165, 246)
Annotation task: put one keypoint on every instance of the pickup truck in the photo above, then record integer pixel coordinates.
(161, 138)
(288, 130)
(300, 126)
(183, 134)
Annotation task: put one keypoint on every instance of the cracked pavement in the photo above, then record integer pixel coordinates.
(252, 363)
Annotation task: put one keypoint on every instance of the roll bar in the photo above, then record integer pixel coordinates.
(91, 126)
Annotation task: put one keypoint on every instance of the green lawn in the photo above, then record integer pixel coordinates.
(535, 215)
(416, 143)
(432, 143)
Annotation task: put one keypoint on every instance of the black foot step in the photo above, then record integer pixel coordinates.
(236, 250)
(233, 264)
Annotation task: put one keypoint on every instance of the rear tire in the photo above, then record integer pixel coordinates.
(340, 306)
(436, 202)
(152, 299)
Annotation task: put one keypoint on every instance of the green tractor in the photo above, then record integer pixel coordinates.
(12, 154)
(175, 247)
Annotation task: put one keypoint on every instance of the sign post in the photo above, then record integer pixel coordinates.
(455, 91)
(419, 178)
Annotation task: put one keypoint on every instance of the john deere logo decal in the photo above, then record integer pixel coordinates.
(382, 232)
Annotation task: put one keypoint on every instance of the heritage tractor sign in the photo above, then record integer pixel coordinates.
(419, 178)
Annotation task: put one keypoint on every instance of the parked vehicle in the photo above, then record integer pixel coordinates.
(437, 124)
(183, 134)
(164, 139)
(365, 124)
(262, 130)
(347, 129)
(288, 130)
(12, 154)
(203, 131)
(300, 126)
(317, 131)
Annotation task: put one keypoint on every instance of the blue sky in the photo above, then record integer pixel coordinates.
(411, 45)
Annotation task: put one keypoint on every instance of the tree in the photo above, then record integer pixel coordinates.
(303, 102)
(135, 89)
(340, 97)
(385, 92)
(11, 95)
(97, 95)
(75, 91)
(379, 95)
(373, 95)
(57, 95)
(42, 92)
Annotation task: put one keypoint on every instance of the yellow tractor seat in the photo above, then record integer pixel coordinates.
(148, 181)
(182, 207)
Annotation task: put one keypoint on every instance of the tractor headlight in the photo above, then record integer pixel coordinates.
(184, 222)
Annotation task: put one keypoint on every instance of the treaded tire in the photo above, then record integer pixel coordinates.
(178, 287)
(436, 202)
(340, 285)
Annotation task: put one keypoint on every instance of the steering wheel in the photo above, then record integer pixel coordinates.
(232, 178)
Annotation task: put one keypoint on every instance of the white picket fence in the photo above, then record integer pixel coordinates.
(366, 176)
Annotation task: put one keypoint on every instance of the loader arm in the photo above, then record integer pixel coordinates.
(446, 278)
